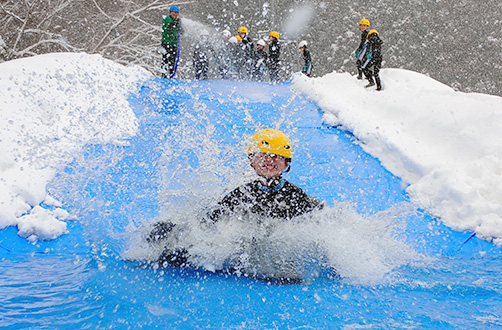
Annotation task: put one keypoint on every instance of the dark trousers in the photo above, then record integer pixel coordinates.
(273, 69)
(169, 60)
(359, 64)
(372, 71)
(201, 69)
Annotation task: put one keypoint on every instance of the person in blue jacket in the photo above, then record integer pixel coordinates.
(307, 58)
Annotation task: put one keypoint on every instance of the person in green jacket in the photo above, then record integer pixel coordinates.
(171, 30)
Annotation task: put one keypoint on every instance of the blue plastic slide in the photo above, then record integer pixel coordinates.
(397, 267)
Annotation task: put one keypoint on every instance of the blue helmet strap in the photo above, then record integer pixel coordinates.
(273, 185)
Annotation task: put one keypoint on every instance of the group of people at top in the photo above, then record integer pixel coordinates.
(369, 55)
(237, 57)
(240, 58)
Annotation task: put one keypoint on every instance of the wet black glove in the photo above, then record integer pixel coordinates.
(160, 231)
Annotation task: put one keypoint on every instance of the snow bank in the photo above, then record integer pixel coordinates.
(51, 106)
(446, 145)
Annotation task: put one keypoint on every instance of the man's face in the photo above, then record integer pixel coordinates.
(173, 14)
(363, 27)
(268, 166)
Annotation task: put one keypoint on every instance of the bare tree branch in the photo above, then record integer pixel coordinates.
(127, 31)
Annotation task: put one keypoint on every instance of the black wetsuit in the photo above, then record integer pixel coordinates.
(284, 201)
(373, 60)
(274, 52)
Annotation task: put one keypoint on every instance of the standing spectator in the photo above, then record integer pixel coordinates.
(260, 64)
(247, 51)
(307, 59)
(232, 53)
(171, 30)
(274, 51)
(240, 58)
(371, 66)
(245, 38)
(364, 26)
(201, 56)
(226, 35)
(224, 55)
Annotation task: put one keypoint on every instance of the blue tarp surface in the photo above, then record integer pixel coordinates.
(80, 280)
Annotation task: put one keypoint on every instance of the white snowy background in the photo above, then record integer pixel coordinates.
(446, 145)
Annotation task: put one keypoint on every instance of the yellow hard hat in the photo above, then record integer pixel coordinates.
(364, 21)
(243, 29)
(372, 32)
(274, 34)
(271, 141)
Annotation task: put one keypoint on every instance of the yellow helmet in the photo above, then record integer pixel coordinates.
(274, 34)
(271, 141)
(364, 21)
(243, 29)
(372, 32)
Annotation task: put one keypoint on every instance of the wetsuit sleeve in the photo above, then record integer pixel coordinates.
(226, 205)
(300, 201)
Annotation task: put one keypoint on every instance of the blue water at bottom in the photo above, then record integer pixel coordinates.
(79, 290)
(81, 281)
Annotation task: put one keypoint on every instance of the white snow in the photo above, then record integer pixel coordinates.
(50, 107)
(444, 144)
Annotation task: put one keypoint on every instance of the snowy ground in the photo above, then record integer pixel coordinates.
(446, 145)
(443, 143)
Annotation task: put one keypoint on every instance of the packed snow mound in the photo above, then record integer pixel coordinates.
(445, 144)
(51, 106)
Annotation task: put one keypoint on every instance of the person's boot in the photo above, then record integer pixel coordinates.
(174, 258)
(371, 82)
(378, 84)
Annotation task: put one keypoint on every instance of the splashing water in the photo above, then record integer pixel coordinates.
(334, 241)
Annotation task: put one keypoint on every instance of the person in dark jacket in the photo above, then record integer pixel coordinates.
(223, 56)
(247, 46)
(307, 58)
(373, 60)
(260, 60)
(269, 196)
(274, 52)
(171, 30)
(233, 58)
(240, 59)
(364, 26)
(201, 55)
